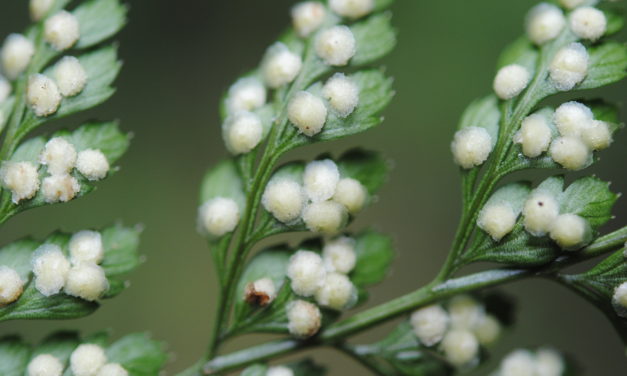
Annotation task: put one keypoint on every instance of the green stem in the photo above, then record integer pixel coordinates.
(377, 368)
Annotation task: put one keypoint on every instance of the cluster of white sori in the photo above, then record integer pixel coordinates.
(279, 371)
(323, 201)
(619, 299)
(323, 278)
(459, 329)
(523, 362)
(60, 158)
(86, 360)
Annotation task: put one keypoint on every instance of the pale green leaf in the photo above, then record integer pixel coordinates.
(99, 20)
(374, 256)
(607, 64)
(375, 37)
(223, 180)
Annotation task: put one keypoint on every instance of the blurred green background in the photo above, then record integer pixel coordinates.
(179, 58)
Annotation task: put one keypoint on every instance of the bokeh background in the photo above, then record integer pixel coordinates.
(179, 58)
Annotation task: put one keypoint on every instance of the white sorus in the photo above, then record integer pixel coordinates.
(17, 52)
(571, 118)
(21, 178)
(39, 8)
(304, 318)
(112, 369)
(544, 23)
(350, 193)
(487, 330)
(59, 155)
(51, 269)
(246, 94)
(430, 324)
(620, 296)
(534, 135)
(306, 272)
(588, 23)
(326, 217)
(518, 363)
(87, 281)
(570, 152)
(465, 312)
(59, 188)
(471, 146)
(571, 4)
(336, 45)
(352, 8)
(87, 359)
(321, 178)
(307, 17)
(569, 66)
(337, 292)
(597, 136)
(460, 347)
(92, 164)
(342, 93)
(284, 198)
(279, 371)
(497, 219)
(43, 95)
(11, 285)
(5, 89)
(61, 30)
(86, 246)
(307, 112)
(570, 231)
(260, 292)
(280, 66)
(549, 363)
(45, 365)
(218, 216)
(242, 132)
(70, 76)
(339, 255)
(540, 211)
(510, 81)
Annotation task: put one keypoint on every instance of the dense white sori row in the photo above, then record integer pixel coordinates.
(543, 362)
(580, 134)
(60, 157)
(86, 360)
(81, 276)
(460, 330)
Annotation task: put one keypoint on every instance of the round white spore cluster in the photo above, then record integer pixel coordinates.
(242, 132)
(11, 285)
(43, 95)
(544, 23)
(59, 188)
(39, 8)
(619, 299)
(218, 216)
(59, 155)
(569, 67)
(284, 198)
(535, 135)
(112, 369)
(86, 246)
(471, 146)
(51, 269)
(597, 136)
(280, 66)
(304, 318)
(87, 281)
(342, 94)
(351, 193)
(279, 371)
(339, 255)
(570, 231)
(522, 362)
(336, 45)
(460, 347)
(307, 272)
(307, 112)
(61, 30)
(588, 23)
(337, 292)
(497, 219)
(92, 164)
(5, 89)
(430, 324)
(21, 178)
(571, 118)
(352, 8)
(487, 330)
(539, 212)
(571, 4)
(261, 291)
(70, 76)
(570, 152)
(87, 360)
(511, 80)
(321, 179)
(549, 363)
(246, 94)
(307, 17)
(45, 365)
(465, 312)
(17, 52)
(325, 217)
